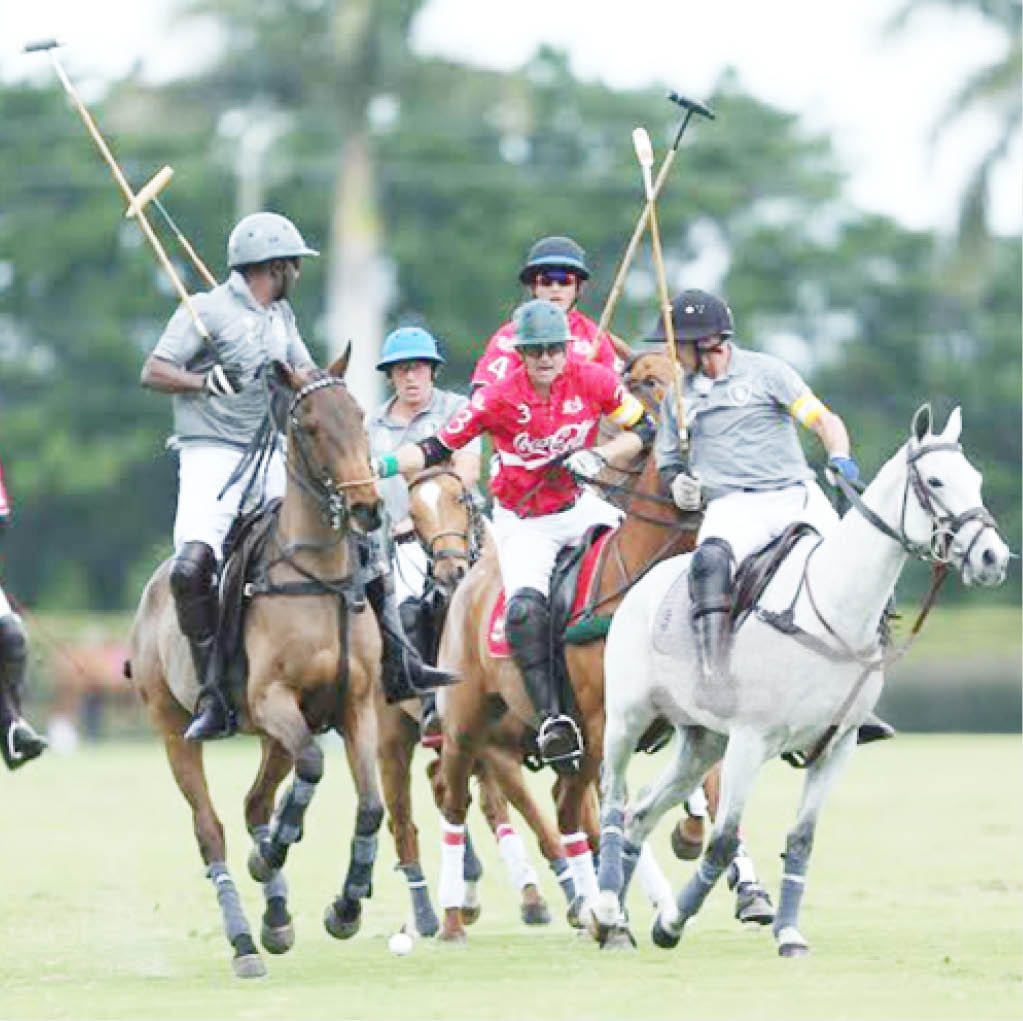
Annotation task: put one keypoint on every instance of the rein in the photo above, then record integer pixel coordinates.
(472, 536)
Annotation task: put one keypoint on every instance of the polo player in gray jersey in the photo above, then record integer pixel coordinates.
(746, 468)
(220, 401)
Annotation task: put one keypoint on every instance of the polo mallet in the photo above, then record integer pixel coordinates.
(691, 106)
(135, 206)
(150, 193)
(645, 155)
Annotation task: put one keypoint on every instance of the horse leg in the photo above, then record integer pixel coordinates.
(185, 758)
(510, 846)
(278, 931)
(508, 773)
(744, 755)
(820, 777)
(398, 740)
(343, 915)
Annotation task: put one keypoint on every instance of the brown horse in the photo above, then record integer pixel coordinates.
(313, 656)
(452, 532)
(491, 706)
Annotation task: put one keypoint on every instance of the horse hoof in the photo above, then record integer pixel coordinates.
(791, 944)
(259, 868)
(452, 937)
(277, 939)
(427, 923)
(470, 913)
(662, 937)
(342, 919)
(536, 913)
(753, 904)
(574, 914)
(606, 909)
(248, 966)
(616, 938)
(687, 846)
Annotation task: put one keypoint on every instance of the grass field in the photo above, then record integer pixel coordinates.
(913, 907)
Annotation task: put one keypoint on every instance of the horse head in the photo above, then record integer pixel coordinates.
(946, 520)
(447, 524)
(328, 449)
(647, 375)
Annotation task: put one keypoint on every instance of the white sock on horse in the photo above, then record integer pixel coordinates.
(653, 880)
(580, 862)
(696, 804)
(451, 891)
(744, 870)
(516, 862)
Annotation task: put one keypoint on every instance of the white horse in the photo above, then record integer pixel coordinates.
(804, 691)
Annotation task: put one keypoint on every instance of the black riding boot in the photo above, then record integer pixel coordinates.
(195, 599)
(19, 743)
(710, 593)
(528, 627)
(403, 674)
(416, 631)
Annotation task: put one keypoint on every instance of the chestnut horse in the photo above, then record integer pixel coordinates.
(452, 532)
(491, 707)
(313, 654)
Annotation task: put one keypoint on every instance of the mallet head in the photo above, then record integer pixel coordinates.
(691, 106)
(41, 44)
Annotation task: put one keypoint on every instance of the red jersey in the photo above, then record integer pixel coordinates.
(5, 507)
(499, 359)
(529, 431)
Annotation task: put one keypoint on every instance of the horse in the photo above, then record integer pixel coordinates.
(490, 707)
(313, 654)
(452, 531)
(807, 667)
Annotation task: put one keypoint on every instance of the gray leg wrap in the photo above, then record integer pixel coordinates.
(612, 839)
(472, 867)
(422, 909)
(359, 880)
(563, 874)
(718, 857)
(793, 882)
(630, 859)
(235, 924)
(286, 827)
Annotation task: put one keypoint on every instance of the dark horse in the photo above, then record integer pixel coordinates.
(491, 707)
(313, 654)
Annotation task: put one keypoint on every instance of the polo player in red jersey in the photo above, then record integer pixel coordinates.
(555, 270)
(542, 419)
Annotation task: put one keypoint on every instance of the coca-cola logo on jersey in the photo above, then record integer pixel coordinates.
(568, 437)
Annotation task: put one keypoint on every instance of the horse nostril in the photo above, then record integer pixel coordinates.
(989, 558)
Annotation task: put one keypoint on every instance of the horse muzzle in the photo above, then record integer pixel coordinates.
(986, 560)
(366, 516)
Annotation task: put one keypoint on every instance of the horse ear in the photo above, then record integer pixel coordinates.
(340, 365)
(921, 422)
(286, 375)
(954, 426)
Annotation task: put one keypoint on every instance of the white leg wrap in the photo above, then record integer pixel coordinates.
(451, 892)
(696, 804)
(516, 862)
(654, 882)
(580, 863)
(744, 866)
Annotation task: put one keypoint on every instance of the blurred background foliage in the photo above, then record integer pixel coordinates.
(444, 173)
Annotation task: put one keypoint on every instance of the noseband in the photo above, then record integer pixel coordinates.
(472, 537)
(317, 481)
(945, 525)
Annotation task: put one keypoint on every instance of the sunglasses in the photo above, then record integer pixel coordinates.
(556, 276)
(539, 350)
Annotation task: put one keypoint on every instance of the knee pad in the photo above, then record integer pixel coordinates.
(528, 606)
(192, 574)
(13, 640)
(713, 558)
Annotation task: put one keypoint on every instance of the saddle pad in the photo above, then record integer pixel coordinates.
(671, 621)
(497, 640)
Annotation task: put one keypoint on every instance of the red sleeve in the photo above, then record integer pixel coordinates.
(604, 386)
(499, 359)
(5, 507)
(470, 422)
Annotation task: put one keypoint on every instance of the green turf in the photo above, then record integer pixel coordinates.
(913, 907)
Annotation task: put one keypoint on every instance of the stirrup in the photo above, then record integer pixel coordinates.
(213, 720)
(21, 744)
(561, 743)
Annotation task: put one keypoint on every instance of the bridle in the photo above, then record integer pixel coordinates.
(315, 480)
(472, 537)
(939, 547)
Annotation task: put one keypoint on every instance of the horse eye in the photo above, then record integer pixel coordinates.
(935, 483)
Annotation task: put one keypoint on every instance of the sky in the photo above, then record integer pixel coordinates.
(879, 94)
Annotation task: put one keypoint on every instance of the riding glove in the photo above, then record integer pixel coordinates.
(585, 464)
(223, 381)
(686, 492)
(845, 466)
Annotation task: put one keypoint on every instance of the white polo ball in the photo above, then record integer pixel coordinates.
(400, 944)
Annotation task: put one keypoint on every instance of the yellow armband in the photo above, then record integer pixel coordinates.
(806, 409)
(628, 413)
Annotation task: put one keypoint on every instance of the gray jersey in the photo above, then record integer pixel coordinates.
(245, 335)
(742, 432)
(386, 435)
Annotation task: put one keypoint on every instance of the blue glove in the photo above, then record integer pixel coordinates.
(846, 467)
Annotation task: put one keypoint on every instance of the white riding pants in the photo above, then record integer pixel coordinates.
(5, 606)
(203, 515)
(528, 547)
(409, 565)
(747, 521)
